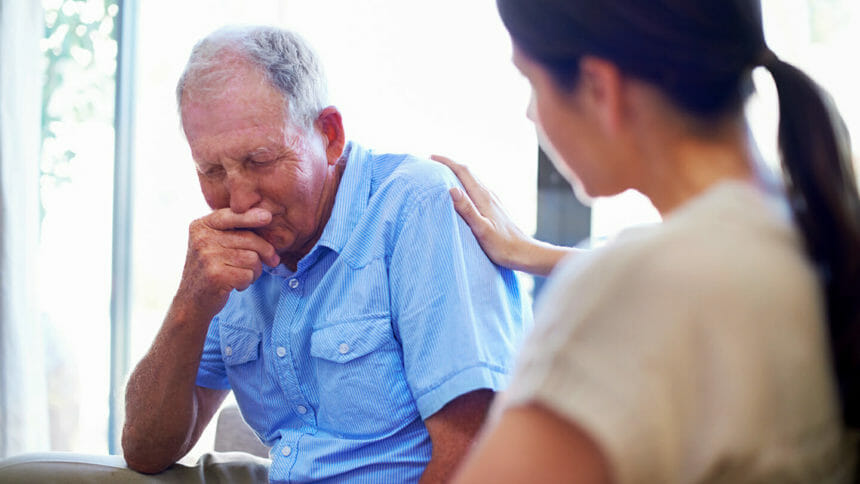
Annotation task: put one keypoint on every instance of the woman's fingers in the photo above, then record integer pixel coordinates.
(476, 190)
(466, 209)
(502, 241)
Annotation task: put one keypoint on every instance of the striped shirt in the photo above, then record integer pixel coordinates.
(393, 313)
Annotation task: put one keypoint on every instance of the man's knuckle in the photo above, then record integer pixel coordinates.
(250, 258)
(195, 227)
(211, 272)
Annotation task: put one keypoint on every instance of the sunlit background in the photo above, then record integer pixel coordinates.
(419, 77)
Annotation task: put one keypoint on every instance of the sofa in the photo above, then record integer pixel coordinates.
(238, 456)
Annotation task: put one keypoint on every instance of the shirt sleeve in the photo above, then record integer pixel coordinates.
(458, 316)
(212, 373)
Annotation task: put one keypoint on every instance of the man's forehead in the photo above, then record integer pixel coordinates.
(235, 82)
(228, 77)
(234, 105)
(236, 141)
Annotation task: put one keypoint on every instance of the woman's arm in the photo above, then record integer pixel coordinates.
(534, 444)
(504, 242)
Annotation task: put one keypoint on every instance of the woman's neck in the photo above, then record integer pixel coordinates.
(682, 167)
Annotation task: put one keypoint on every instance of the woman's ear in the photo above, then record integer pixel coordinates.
(602, 86)
(330, 125)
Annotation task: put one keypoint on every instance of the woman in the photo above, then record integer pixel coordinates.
(720, 345)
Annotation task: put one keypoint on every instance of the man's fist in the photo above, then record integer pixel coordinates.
(224, 254)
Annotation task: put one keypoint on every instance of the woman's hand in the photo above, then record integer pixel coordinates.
(504, 242)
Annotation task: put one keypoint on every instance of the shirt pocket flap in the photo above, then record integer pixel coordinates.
(343, 342)
(239, 345)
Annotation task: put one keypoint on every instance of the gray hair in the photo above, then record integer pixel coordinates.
(287, 60)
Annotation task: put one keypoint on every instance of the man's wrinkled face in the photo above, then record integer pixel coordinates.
(248, 155)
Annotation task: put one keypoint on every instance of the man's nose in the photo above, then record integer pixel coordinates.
(243, 192)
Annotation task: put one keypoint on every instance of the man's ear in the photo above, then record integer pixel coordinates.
(603, 85)
(330, 125)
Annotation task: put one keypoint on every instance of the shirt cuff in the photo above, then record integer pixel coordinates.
(470, 379)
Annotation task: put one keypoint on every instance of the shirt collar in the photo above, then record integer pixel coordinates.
(350, 202)
(351, 199)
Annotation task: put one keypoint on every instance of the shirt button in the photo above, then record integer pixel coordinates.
(286, 450)
(294, 283)
(302, 409)
(281, 351)
(343, 348)
(228, 350)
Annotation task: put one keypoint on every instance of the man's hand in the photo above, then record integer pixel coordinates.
(165, 410)
(223, 254)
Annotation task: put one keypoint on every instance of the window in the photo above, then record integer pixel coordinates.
(820, 37)
(76, 192)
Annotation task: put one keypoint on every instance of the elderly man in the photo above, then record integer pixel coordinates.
(334, 290)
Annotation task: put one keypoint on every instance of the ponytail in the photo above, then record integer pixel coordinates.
(822, 191)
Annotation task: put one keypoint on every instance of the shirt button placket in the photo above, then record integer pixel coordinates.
(291, 291)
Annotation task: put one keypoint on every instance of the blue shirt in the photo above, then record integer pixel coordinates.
(393, 313)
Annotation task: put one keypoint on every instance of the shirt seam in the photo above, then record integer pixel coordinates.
(436, 189)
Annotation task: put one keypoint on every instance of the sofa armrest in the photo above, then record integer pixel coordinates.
(72, 468)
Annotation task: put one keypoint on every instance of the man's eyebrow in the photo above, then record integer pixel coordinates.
(277, 151)
(267, 149)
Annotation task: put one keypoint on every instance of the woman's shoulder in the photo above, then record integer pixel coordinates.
(733, 232)
(731, 248)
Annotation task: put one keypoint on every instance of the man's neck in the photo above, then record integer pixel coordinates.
(328, 197)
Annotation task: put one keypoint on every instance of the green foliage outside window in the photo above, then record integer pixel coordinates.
(79, 48)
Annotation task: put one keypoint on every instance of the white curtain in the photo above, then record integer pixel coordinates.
(23, 398)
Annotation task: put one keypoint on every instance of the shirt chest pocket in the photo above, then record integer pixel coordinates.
(240, 350)
(239, 345)
(362, 388)
(344, 342)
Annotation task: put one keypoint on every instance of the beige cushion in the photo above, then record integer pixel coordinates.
(233, 434)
